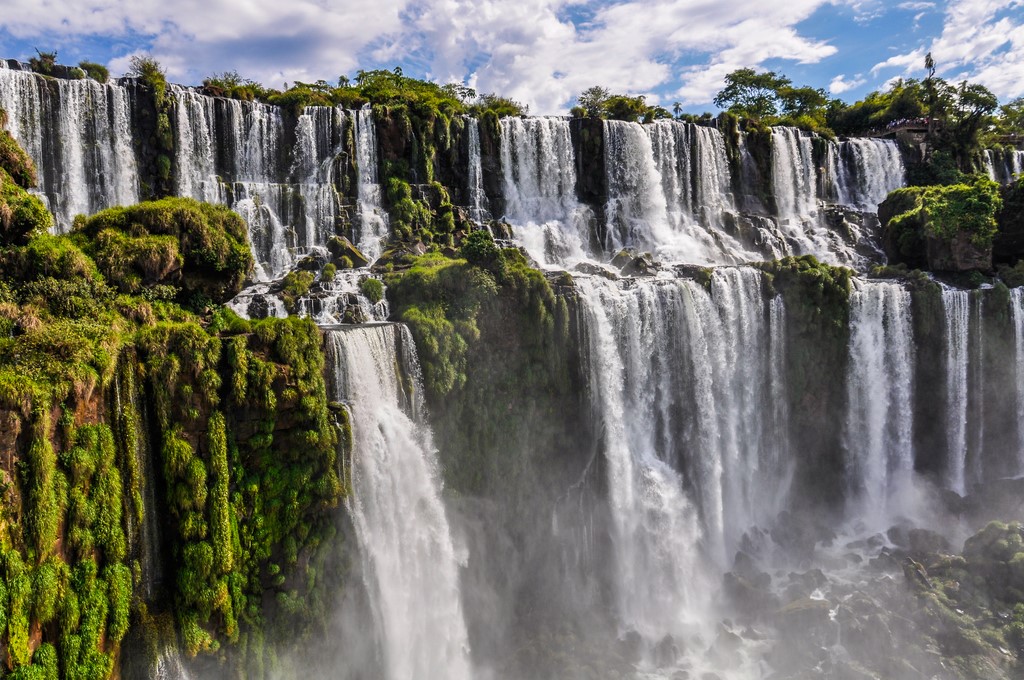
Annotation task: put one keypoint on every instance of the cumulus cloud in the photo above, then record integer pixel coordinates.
(981, 40)
(267, 40)
(542, 52)
(840, 84)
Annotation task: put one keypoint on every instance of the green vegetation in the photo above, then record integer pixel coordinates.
(198, 248)
(44, 62)
(598, 102)
(97, 72)
(771, 99)
(90, 323)
(944, 212)
(464, 312)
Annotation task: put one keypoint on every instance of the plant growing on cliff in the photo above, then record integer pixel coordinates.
(946, 211)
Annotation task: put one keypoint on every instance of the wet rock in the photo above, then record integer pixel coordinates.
(746, 596)
(642, 265)
(258, 307)
(624, 257)
(725, 651)
(340, 247)
(631, 646)
(666, 652)
(595, 270)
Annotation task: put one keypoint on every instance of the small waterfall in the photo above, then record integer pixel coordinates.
(688, 385)
(404, 538)
(867, 170)
(79, 134)
(637, 210)
(956, 305)
(695, 184)
(793, 174)
(1017, 314)
(879, 422)
(539, 171)
(372, 218)
(234, 153)
(478, 210)
(1003, 165)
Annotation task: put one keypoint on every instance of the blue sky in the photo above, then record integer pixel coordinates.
(541, 52)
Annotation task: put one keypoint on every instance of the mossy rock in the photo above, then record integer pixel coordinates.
(22, 215)
(200, 248)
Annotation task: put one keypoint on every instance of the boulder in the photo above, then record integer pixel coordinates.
(642, 265)
(340, 247)
(595, 270)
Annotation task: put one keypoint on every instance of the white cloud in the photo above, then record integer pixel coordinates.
(981, 40)
(267, 40)
(840, 84)
(915, 6)
(531, 50)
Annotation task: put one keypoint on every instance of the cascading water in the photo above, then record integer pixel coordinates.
(669, 193)
(690, 397)
(478, 210)
(1017, 314)
(956, 305)
(867, 170)
(793, 174)
(405, 543)
(879, 424)
(79, 134)
(234, 153)
(540, 189)
(372, 218)
(1003, 165)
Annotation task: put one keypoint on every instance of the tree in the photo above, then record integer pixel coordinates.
(677, 109)
(803, 101)
(752, 94)
(592, 100)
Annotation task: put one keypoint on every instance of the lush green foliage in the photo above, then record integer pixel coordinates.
(97, 72)
(945, 211)
(200, 248)
(598, 102)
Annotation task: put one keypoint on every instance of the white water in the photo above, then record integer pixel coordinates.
(79, 134)
(372, 218)
(688, 389)
(233, 152)
(539, 171)
(1017, 314)
(405, 543)
(956, 306)
(867, 170)
(668, 191)
(1003, 165)
(478, 210)
(879, 425)
(793, 174)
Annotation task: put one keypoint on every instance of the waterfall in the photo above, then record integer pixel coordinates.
(405, 543)
(793, 174)
(539, 172)
(637, 211)
(688, 388)
(956, 307)
(879, 423)
(867, 170)
(695, 186)
(1017, 314)
(1003, 165)
(475, 175)
(372, 218)
(79, 134)
(235, 153)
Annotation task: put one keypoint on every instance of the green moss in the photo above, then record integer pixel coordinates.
(372, 288)
(97, 72)
(200, 247)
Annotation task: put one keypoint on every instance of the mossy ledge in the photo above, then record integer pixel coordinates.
(114, 355)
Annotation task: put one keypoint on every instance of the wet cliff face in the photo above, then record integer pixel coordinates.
(672, 461)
